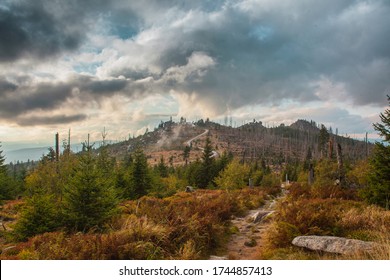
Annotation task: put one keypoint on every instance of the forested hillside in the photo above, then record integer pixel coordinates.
(171, 193)
(250, 142)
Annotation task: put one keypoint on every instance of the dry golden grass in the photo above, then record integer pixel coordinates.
(370, 217)
(184, 226)
(10, 209)
(138, 239)
(382, 251)
(189, 251)
(303, 213)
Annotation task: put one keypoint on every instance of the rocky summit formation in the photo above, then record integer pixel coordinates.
(332, 244)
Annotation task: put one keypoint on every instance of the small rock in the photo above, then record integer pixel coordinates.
(250, 243)
(260, 215)
(234, 230)
(272, 204)
(218, 257)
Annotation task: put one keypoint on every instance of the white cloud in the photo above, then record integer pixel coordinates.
(329, 91)
(197, 65)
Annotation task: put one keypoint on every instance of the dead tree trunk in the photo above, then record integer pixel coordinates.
(57, 142)
(340, 165)
(311, 174)
(330, 148)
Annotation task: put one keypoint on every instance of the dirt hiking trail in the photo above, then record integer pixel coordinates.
(247, 242)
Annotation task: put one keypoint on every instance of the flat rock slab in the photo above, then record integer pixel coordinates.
(333, 244)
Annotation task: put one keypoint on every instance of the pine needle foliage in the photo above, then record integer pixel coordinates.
(378, 190)
(89, 198)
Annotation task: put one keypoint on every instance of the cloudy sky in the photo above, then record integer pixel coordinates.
(125, 65)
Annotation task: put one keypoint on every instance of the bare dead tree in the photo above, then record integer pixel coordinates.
(104, 135)
(330, 148)
(57, 145)
(340, 165)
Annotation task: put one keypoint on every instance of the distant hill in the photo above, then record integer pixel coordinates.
(31, 154)
(249, 142)
(25, 154)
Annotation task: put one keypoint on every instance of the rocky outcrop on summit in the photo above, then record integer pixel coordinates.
(332, 244)
(305, 125)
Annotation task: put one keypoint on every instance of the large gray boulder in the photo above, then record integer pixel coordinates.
(333, 244)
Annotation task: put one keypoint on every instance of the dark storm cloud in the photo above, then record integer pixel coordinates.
(33, 31)
(6, 86)
(44, 96)
(270, 51)
(43, 28)
(100, 87)
(48, 97)
(248, 69)
(50, 120)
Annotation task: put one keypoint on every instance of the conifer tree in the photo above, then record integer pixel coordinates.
(223, 161)
(186, 153)
(141, 179)
(50, 156)
(207, 169)
(207, 154)
(39, 215)
(3, 168)
(123, 174)
(162, 168)
(45, 185)
(323, 140)
(378, 190)
(308, 159)
(6, 191)
(89, 198)
(128, 162)
(10, 186)
(105, 162)
(50, 176)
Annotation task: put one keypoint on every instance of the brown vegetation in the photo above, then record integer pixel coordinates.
(184, 226)
(307, 211)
